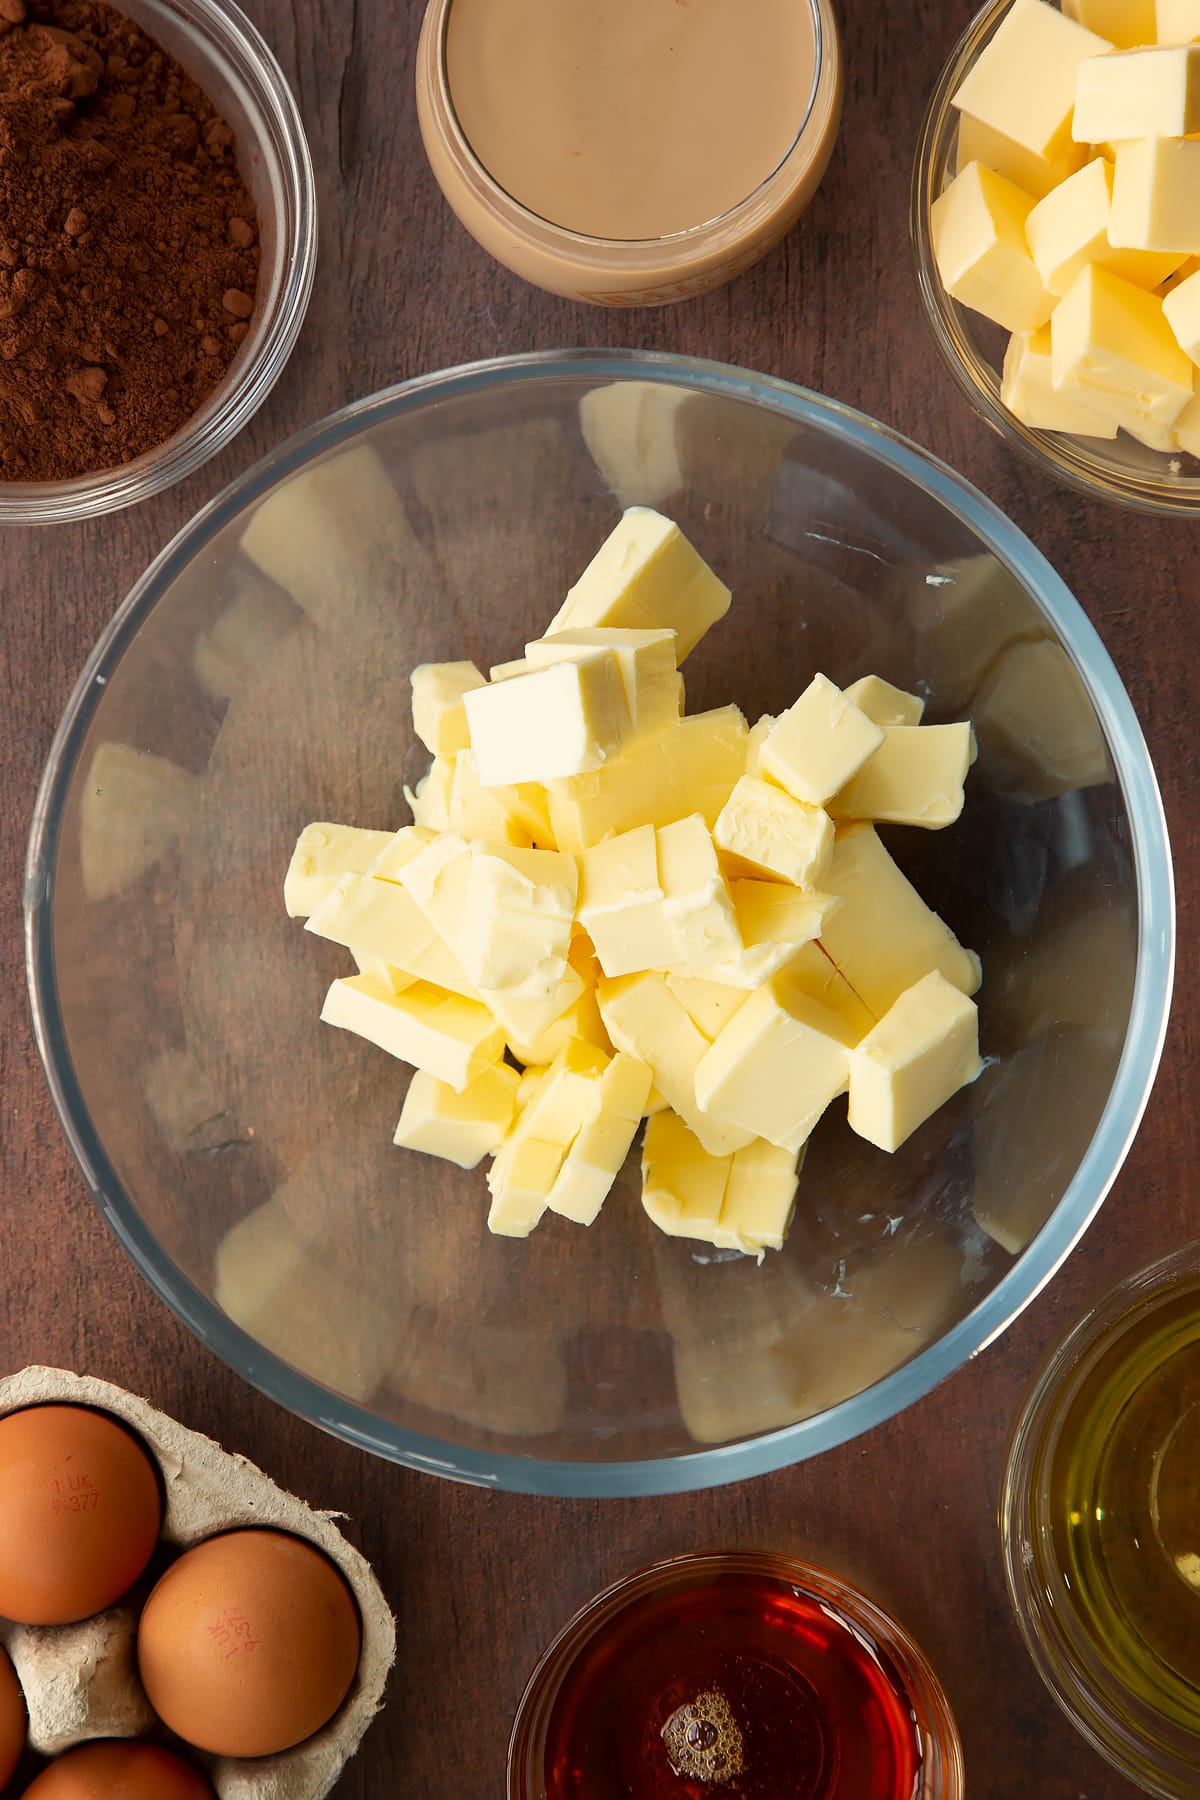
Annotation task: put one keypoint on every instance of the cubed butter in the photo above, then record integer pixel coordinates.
(377, 918)
(1034, 174)
(516, 928)
(389, 862)
(621, 904)
(776, 1066)
(1027, 389)
(697, 903)
(819, 744)
(449, 1037)
(556, 721)
(914, 778)
(1070, 228)
(689, 767)
(1156, 193)
(1125, 23)
(760, 1197)
(644, 577)
(923, 1050)
(1153, 92)
(646, 660)
(709, 1004)
(645, 1020)
(1177, 21)
(981, 251)
(885, 938)
(439, 718)
(1112, 349)
(1187, 428)
(429, 800)
(463, 1127)
(883, 703)
(1181, 307)
(683, 1184)
(521, 1193)
(774, 912)
(764, 830)
(1023, 81)
(504, 814)
(594, 1159)
(813, 971)
(323, 852)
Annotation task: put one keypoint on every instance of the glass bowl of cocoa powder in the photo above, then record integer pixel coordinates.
(158, 242)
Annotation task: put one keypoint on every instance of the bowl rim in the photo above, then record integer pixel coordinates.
(1064, 458)
(1145, 1034)
(231, 38)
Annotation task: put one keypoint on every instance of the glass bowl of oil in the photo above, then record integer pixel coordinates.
(1100, 1521)
(741, 1672)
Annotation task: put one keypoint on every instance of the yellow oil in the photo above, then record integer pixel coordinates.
(1125, 1492)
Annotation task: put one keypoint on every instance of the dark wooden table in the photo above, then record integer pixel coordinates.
(480, 1581)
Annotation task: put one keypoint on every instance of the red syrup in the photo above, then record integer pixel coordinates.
(732, 1686)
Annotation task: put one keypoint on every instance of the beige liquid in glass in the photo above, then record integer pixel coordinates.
(630, 119)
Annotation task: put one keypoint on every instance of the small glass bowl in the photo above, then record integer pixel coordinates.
(1122, 471)
(1135, 1732)
(655, 1597)
(228, 58)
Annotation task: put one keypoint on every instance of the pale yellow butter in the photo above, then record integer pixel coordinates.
(1181, 308)
(429, 800)
(709, 1004)
(884, 704)
(1177, 21)
(451, 1038)
(375, 918)
(760, 1198)
(1070, 227)
(1027, 389)
(644, 577)
(323, 852)
(516, 925)
(776, 1066)
(914, 778)
(1187, 428)
(1034, 174)
(1152, 92)
(439, 717)
(819, 744)
(812, 970)
(521, 1195)
(981, 251)
(689, 767)
(885, 937)
(697, 904)
(595, 1158)
(1112, 349)
(504, 814)
(646, 660)
(683, 1184)
(621, 904)
(645, 1020)
(401, 847)
(923, 1050)
(763, 829)
(1125, 23)
(463, 1127)
(1156, 193)
(774, 912)
(1023, 81)
(555, 721)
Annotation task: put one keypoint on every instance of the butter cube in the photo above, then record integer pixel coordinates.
(1187, 428)
(595, 1158)
(690, 767)
(516, 928)
(980, 248)
(709, 1004)
(697, 904)
(1035, 175)
(379, 923)
(646, 660)
(1146, 93)
(323, 852)
(503, 814)
(555, 721)
(1070, 228)
(885, 938)
(1156, 192)
(645, 1020)
(389, 863)
(463, 1127)
(764, 830)
(813, 971)
(553, 1109)
(758, 735)
(1023, 82)
(818, 744)
(915, 778)
(683, 1184)
(1027, 389)
(621, 904)
(394, 979)
(449, 1037)
(1177, 21)
(437, 879)
(773, 912)
(923, 1050)
(521, 1195)
(883, 703)
(439, 718)
(776, 1066)
(760, 1198)
(644, 577)
(1181, 307)
(1111, 348)
(1125, 23)
(429, 801)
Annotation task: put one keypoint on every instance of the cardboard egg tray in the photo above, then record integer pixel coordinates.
(81, 1681)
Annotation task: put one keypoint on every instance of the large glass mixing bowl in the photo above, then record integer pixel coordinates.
(242, 1151)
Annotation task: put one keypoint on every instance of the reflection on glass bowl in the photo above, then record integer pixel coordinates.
(256, 679)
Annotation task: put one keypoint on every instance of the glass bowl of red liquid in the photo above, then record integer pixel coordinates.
(738, 1670)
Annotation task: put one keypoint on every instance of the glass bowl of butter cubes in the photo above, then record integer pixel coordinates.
(1056, 231)
(599, 923)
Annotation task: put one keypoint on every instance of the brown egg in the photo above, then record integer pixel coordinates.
(125, 1770)
(249, 1643)
(12, 1719)
(80, 1512)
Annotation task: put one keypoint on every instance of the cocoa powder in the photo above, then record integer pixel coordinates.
(128, 242)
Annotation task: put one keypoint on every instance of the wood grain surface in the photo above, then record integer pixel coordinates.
(480, 1581)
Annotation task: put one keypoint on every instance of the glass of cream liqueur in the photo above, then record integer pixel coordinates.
(629, 152)
(739, 1674)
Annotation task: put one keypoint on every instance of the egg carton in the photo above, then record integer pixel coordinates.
(81, 1681)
